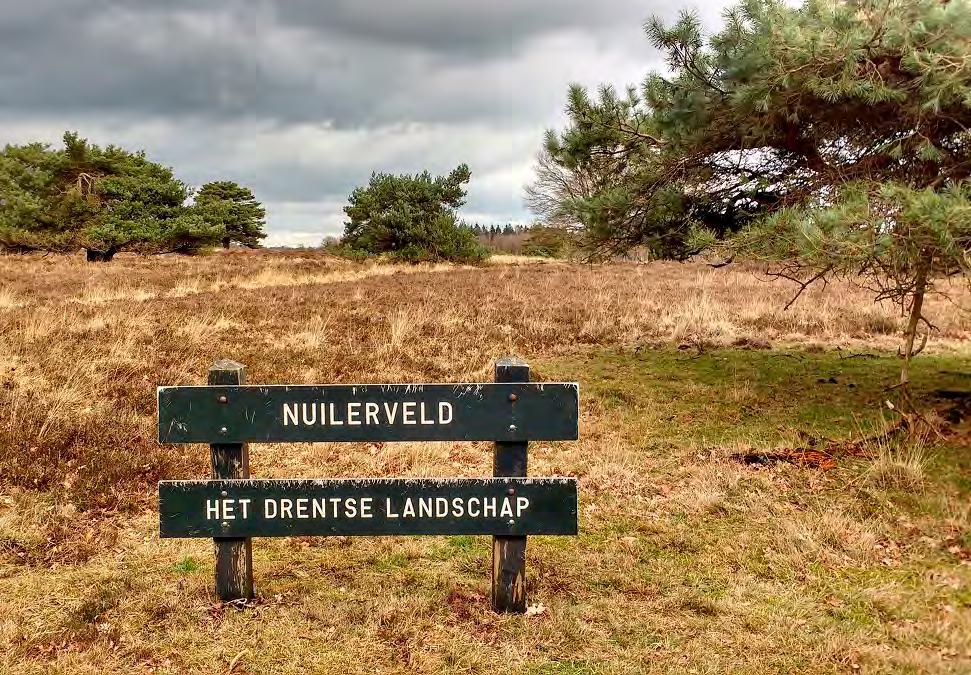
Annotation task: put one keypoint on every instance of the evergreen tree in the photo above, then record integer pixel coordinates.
(101, 200)
(830, 138)
(412, 217)
(233, 208)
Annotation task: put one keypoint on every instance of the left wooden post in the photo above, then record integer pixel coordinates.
(234, 556)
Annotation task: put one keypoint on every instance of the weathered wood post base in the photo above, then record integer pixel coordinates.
(234, 556)
(509, 553)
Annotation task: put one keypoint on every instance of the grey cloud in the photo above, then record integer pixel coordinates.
(456, 27)
(355, 63)
(302, 100)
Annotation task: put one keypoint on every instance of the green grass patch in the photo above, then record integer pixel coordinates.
(187, 565)
(668, 398)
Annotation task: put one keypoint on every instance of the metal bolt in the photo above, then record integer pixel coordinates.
(224, 524)
(512, 427)
(223, 399)
(223, 430)
(224, 493)
(512, 522)
(511, 491)
(513, 398)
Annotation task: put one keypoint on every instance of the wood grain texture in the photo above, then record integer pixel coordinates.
(234, 556)
(509, 553)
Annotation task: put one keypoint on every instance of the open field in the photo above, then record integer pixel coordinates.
(698, 552)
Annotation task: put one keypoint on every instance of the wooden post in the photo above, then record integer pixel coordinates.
(509, 553)
(234, 556)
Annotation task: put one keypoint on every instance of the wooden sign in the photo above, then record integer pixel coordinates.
(369, 412)
(232, 509)
(369, 506)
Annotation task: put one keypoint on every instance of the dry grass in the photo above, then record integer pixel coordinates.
(898, 464)
(687, 561)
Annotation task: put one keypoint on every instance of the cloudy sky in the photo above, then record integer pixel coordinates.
(303, 99)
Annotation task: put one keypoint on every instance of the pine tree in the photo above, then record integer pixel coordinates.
(233, 208)
(412, 217)
(102, 200)
(826, 139)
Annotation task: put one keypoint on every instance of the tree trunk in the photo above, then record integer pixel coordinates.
(225, 242)
(910, 335)
(100, 256)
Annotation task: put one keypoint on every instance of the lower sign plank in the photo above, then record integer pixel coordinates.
(370, 506)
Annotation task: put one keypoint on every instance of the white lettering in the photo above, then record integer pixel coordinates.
(408, 412)
(441, 507)
(424, 507)
(489, 507)
(522, 503)
(212, 509)
(290, 414)
(368, 412)
(228, 511)
(443, 408)
(458, 507)
(302, 504)
(334, 422)
(506, 511)
(245, 503)
(350, 507)
(409, 510)
(388, 509)
(366, 507)
(312, 417)
(319, 508)
(334, 502)
(473, 514)
(371, 413)
(268, 512)
(286, 508)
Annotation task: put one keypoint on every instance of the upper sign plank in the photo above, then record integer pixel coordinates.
(369, 412)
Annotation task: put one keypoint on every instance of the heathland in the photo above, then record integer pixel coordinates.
(740, 510)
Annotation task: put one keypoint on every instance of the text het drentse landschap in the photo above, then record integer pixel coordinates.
(307, 508)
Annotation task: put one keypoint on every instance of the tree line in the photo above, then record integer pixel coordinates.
(828, 139)
(108, 200)
(495, 230)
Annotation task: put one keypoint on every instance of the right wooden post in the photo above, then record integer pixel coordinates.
(509, 553)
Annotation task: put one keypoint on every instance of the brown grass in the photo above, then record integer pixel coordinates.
(687, 559)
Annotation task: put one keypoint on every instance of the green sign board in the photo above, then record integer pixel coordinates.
(233, 509)
(370, 506)
(369, 412)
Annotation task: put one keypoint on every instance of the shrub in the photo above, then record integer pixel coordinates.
(412, 218)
